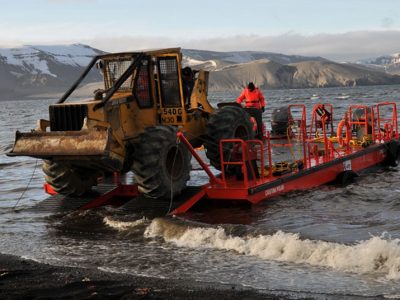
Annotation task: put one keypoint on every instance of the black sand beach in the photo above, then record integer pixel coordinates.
(27, 279)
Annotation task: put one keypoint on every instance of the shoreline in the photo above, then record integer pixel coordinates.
(58, 94)
(23, 278)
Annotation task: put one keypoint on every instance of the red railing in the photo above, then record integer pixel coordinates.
(365, 122)
(387, 125)
(302, 124)
(248, 158)
(243, 154)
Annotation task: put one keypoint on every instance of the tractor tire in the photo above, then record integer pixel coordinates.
(280, 120)
(393, 154)
(345, 178)
(228, 122)
(69, 181)
(161, 166)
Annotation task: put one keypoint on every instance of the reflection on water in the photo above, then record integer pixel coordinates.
(330, 240)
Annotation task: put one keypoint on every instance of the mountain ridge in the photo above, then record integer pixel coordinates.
(387, 63)
(33, 69)
(47, 71)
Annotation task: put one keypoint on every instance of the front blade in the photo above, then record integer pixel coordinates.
(61, 143)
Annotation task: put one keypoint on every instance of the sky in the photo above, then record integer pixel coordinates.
(336, 29)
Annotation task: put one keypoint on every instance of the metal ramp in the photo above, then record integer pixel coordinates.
(123, 197)
(158, 207)
(63, 203)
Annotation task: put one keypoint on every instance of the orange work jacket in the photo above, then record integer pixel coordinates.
(253, 99)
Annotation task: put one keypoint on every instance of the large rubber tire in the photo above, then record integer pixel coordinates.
(67, 180)
(393, 154)
(228, 122)
(345, 178)
(280, 119)
(161, 166)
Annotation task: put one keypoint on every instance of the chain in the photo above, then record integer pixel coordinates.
(27, 186)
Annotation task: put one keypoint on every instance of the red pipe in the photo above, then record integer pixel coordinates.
(269, 155)
(213, 179)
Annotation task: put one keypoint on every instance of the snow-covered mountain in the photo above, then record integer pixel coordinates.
(231, 70)
(212, 60)
(307, 74)
(40, 59)
(388, 63)
(42, 69)
(47, 71)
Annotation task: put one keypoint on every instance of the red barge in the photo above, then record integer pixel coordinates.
(366, 136)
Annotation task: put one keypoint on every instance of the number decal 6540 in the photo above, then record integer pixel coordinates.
(172, 111)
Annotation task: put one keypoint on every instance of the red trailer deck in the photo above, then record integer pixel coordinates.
(371, 138)
(365, 137)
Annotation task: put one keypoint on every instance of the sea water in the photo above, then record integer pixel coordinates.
(327, 242)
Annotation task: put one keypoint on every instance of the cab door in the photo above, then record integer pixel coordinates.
(170, 90)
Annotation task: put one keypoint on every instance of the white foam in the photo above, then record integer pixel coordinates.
(123, 225)
(391, 296)
(27, 257)
(377, 255)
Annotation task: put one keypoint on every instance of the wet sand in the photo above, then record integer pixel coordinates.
(27, 279)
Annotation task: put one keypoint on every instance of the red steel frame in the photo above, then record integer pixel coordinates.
(256, 186)
(320, 170)
(390, 124)
(112, 197)
(302, 123)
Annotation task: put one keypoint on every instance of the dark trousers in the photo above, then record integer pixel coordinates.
(256, 114)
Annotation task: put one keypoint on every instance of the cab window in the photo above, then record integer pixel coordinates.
(169, 81)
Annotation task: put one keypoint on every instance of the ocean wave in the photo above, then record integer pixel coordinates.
(123, 225)
(380, 255)
(7, 164)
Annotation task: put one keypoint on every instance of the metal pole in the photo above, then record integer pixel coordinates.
(75, 85)
(213, 179)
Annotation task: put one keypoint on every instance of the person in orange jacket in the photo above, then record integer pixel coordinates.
(254, 104)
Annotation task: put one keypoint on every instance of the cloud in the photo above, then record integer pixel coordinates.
(127, 43)
(349, 46)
